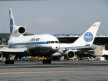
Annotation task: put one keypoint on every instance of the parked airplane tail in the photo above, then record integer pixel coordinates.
(15, 30)
(88, 37)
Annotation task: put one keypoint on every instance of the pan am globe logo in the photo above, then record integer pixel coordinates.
(88, 37)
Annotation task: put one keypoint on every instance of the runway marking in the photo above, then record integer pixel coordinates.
(18, 74)
(8, 76)
(46, 74)
(53, 74)
(103, 73)
(30, 75)
(12, 72)
(40, 72)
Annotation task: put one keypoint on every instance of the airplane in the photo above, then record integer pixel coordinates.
(33, 45)
(84, 42)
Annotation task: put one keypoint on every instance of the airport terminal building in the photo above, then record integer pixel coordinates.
(67, 38)
(4, 37)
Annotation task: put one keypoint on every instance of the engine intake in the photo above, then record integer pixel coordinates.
(21, 30)
(70, 55)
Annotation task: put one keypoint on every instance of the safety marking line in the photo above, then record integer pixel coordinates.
(46, 74)
(7, 73)
(30, 75)
(39, 72)
(103, 73)
(21, 72)
(12, 72)
(8, 76)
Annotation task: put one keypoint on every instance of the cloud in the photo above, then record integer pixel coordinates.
(46, 21)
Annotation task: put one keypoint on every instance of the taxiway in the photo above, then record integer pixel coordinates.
(57, 71)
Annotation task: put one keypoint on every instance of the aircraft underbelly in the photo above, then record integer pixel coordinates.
(41, 51)
(36, 50)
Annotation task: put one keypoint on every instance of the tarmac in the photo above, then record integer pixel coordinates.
(57, 71)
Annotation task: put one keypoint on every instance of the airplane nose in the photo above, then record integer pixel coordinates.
(55, 47)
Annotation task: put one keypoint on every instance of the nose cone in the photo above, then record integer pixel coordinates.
(55, 47)
(53, 42)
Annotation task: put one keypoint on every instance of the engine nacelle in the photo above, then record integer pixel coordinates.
(70, 54)
(21, 30)
(1, 56)
(18, 30)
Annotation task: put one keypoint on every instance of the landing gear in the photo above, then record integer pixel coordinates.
(9, 62)
(47, 60)
(10, 59)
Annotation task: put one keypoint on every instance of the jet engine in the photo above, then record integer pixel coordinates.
(70, 54)
(1, 56)
(18, 30)
(21, 30)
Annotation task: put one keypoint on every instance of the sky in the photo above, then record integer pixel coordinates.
(55, 16)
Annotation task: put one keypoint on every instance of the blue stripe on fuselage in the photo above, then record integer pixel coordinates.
(28, 43)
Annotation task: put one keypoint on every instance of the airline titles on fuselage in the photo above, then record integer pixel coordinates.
(35, 39)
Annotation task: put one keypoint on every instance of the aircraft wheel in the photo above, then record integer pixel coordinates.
(47, 61)
(6, 62)
(44, 61)
(9, 62)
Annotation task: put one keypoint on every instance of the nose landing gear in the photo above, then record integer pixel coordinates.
(47, 60)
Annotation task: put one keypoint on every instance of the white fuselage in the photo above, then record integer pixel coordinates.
(40, 43)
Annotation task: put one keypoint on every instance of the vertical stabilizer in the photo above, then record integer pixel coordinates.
(15, 31)
(88, 37)
(12, 22)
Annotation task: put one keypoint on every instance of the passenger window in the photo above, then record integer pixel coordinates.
(56, 42)
(48, 42)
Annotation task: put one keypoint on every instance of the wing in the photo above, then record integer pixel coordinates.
(82, 47)
(74, 52)
(12, 50)
(1, 46)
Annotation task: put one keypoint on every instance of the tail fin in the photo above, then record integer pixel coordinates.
(88, 37)
(15, 30)
(12, 22)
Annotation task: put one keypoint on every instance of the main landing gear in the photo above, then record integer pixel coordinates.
(9, 62)
(47, 60)
(10, 59)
